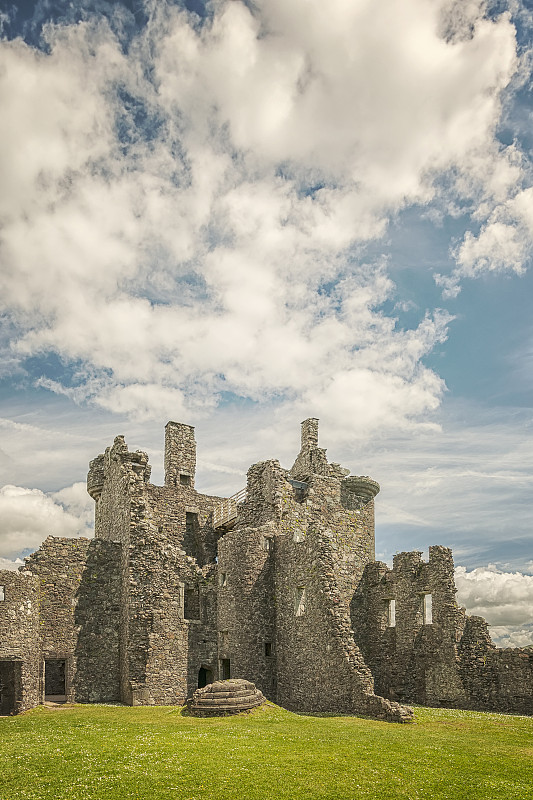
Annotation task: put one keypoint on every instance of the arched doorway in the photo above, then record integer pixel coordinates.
(205, 676)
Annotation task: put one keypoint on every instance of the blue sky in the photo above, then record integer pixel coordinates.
(239, 215)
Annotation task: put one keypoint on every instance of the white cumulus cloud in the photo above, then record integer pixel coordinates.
(218, 246)
(504, 599)
(27, 516)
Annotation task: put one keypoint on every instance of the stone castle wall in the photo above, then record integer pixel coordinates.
(285, 592)
(20, 675)
(448, 660)
(167, 557)
(59, 565)
(287, 573)
(97, 621)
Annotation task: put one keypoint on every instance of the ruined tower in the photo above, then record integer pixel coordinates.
(277, 584)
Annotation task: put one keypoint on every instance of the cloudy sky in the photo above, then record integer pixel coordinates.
(241, 214)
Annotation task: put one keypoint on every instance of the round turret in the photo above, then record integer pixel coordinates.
(96, 477)
(362, 487)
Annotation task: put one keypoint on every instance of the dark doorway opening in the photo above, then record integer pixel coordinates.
(55, 680)
(10, 687)
(205, 676)
(225, 669)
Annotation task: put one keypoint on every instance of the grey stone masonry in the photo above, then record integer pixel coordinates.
(20, 676)
(180, 455)
(432, 653)
(180, 591)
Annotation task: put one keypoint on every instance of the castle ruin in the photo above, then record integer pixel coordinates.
(277, 585)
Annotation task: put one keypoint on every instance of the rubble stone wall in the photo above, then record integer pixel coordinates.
(168, 544)
(287, 573)
(320, 557)
(97, 620)
(494, 678)
(449, 661)
(20, 674)
(59, 564)
(247, 605)
(286, 594)
(180, 455)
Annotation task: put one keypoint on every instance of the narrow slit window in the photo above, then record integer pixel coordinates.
(2, 594)
(267, 543)
(299, 605)
(391, 613)
(427, 609)
(268, 649)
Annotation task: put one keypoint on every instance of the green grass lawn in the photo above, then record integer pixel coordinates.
(108, 752)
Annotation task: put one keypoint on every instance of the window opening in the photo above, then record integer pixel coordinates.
(299, 605)
(267, 543)
(427, 609)
(185, 480)
(391, 613)
(225, 669)
(191, 603)
(223, 579)
(2, 593)
(300, 490)
(268, 649)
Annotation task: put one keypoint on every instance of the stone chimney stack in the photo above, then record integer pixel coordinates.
(180, 455)
(310, 433)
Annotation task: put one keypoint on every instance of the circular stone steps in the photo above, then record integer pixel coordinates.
(222, 698)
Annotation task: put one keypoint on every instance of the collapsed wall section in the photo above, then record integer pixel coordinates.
(407, 623)
(494, 678)
(421, 646)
